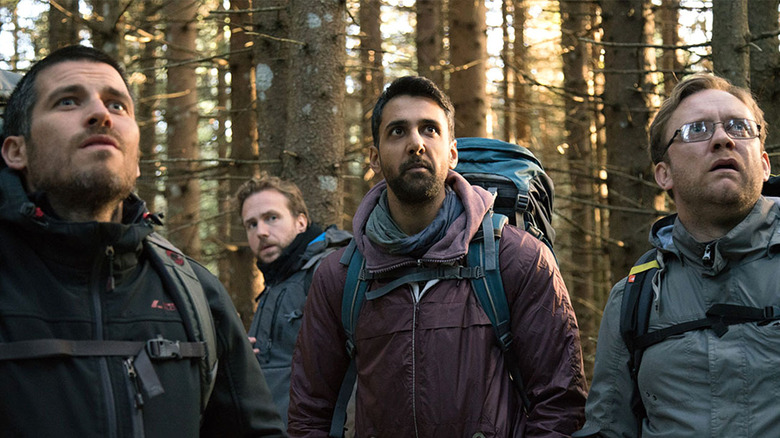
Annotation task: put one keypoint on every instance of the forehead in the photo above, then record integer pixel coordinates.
(713, 105)
(412, 109)
(265, 201)
(85, 73)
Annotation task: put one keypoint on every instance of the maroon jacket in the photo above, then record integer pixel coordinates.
(433, 368)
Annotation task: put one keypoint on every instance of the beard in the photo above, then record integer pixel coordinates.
(85, 187)
(416, 188)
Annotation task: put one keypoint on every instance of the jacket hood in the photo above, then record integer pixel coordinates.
(476, 202)
(75, 240)
(756, 236)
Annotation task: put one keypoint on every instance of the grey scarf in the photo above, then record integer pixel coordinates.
(382, 229)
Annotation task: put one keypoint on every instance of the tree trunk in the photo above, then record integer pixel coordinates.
(632, 189)
(108, 32)
(145, 114)
(272, 81)
(575, 18)
(63, 28)
(669, 20)
(182, 189)
(428, 39)
(468, 50)
(764, 65)
(315, 132)
(243, 285)
(507, 92)
(730, 56)
(520, 55)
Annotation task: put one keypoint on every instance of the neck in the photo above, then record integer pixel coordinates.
(711, 222)
(413, 218)
(106, 213)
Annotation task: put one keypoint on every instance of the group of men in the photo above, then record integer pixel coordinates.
(108, 330)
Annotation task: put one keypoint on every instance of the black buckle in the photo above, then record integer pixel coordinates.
(160, 348)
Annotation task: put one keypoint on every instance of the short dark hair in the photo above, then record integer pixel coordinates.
(18, 113)
(415, 86)
(686, 88)
(290, 191)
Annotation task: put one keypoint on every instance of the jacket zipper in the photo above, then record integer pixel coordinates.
(274, 317)
(136, 398)
(414, 368)
(105, 376)
(706, 259)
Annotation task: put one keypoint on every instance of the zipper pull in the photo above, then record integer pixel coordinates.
(133, 375)
(707, 257)
(110, 255)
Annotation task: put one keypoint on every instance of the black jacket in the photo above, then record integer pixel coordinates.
(57, 281)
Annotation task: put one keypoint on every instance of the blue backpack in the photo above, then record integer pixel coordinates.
(523, 195)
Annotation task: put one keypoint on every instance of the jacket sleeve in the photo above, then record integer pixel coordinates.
(546, 336)
(608, 411)
(240, 404)
(320, 359)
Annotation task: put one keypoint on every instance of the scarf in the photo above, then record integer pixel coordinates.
(383, 230)
(291, 258)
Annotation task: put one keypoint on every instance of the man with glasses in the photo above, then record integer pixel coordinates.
(718, 251)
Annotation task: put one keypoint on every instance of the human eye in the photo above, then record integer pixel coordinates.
(432, 130)
(66, 102)
(740, 128)
(696, 131)
(117, 106)
(250, 225)
(396, 131)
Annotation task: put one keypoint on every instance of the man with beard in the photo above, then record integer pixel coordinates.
(105, 329)
(428, 363)
(719, 251)
(288, 248)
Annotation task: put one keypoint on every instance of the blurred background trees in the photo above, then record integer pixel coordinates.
(226, 89)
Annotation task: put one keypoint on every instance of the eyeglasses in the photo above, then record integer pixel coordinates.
(738, 129)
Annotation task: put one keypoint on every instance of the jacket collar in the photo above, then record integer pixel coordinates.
(476, 202)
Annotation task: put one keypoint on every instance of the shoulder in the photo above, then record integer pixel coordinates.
(519, 250)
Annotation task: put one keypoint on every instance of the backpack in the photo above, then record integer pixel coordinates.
(635, 310)
(180, 281)
(524, 191)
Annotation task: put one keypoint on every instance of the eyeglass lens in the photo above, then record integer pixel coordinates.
(704, 130)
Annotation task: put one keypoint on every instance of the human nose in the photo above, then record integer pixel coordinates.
(720, 137)
(99, 115)
(416, 144)
(262, 229)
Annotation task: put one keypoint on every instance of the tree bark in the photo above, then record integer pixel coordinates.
(243, 284)
(468, 50)
(764, 65)
(632, 189)
(108, 32)
(730, 56)
(145, 115)
(519, 62)
(315, 132)
(428, 39)
(272, 82)
(183, 188)
(669, 20)
(575, 17)
(63, 27)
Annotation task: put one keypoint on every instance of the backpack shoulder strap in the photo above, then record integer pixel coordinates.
(352, 300)
(489, 289)
(635, 316)
(187, 292)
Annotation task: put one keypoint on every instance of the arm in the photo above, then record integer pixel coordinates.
(608, 411)
(320, 359)
(240, 404)
(546, 336)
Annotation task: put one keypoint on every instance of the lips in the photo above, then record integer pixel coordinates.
(415, 164)
(99, 140)
(725, 164)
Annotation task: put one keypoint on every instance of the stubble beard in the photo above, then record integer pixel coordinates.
(418, 188)
(88, 190)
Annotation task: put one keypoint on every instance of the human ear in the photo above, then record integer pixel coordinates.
(15, 152)
(663, 176)
(453, 154)
(373, 160)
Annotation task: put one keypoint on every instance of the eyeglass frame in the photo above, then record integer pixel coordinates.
(679, 131)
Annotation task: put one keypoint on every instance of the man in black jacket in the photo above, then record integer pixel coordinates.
(288, 248)
(105, 329)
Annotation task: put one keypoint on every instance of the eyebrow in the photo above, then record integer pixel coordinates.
(76, 88)
(405, 122)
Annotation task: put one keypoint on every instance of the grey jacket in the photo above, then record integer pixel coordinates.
(278, 318)
(698, 384)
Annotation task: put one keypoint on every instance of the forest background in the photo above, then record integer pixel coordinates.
(226, 89)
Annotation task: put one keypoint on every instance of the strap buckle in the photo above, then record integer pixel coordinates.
(160, 348)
